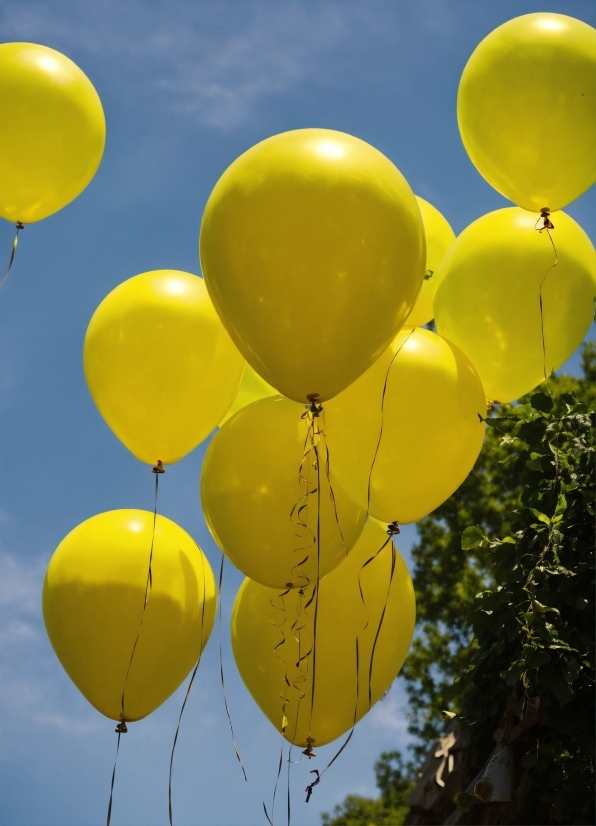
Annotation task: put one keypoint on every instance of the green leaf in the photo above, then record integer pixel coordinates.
(473, 537)
(529, 760)
(541, 516)
(465, 801)
(542, 402)
(535, 657)
(560, 688)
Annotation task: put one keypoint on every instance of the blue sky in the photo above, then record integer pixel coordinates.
(186, 86)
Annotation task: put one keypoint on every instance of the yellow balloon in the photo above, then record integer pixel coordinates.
(159, 364)
(527, 109)
(312, 249)
(439, 237)
(261, 620)
(253, 493)
(428, 425)
(252, 388)
(487, 298)
(93, 598)
(53, 131)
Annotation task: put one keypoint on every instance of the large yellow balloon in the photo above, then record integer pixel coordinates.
(428, 425)
(312, 248)
(252, 388)
(250, 485)
(487, 299)
(439, 237)
(93, 598)
(53, 131)
(260, 620)
(527, 109)
(159, 364)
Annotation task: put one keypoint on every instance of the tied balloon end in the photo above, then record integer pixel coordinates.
(159, 468)
(121, 727)
(312, 407)
(546, 222)
(308, 751)
(428, 275)
(393, 528)
(311, 786)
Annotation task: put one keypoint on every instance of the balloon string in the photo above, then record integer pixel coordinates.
(279, 768)
(15, 243)
(121, 727)
(109, 817)
(547, 225)
(384, 393)
(317, 583)
(221, 672)
(192, 679)
(392, 530)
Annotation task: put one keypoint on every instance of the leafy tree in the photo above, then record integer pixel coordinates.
(447, 577)
(531, 676)
(394, 781)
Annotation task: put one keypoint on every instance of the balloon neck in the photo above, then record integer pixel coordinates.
(312, 406)
(546, 222)
(159, 468)
(121, 728)
(308, 751)
(393, 528)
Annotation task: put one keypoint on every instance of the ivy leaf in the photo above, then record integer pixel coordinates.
(541, 516)
(542, 609)
(571, 668)
(513, 673)
(542, 402)
(535, 657)
(473, 537)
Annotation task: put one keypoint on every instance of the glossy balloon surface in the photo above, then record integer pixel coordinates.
(259, 623)
(439, 237)
(159, 364)
(53, 131)
(526, 109)
(252, 389)
(312, 249)
(93, 598)
(428, 425)
(253, 493)
(487, 299)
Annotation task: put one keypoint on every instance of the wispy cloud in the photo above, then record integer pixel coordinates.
(213, 60)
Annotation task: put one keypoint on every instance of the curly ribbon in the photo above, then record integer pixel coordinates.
(121, 727)
(546, 225)
(15, 243)
(192, 679)
(392, 530)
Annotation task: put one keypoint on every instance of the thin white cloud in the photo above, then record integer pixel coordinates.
(215, 61)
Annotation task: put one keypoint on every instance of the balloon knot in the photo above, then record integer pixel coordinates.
(159, 468)
(308, 751)
(313, 408)
(546, 222)
(428, 274)
(121, 728)
(19, 225)
(393, 528)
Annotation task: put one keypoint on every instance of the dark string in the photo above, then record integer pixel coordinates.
(221, 672)
(368, 561)
(547, 225)
(192, 679)
(317, 584)
(121, 727)
(384, 393)
(109, 818)
(15, 244)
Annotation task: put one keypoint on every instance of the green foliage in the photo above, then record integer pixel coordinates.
(394, 781)
(447, 576)
(534, 629)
